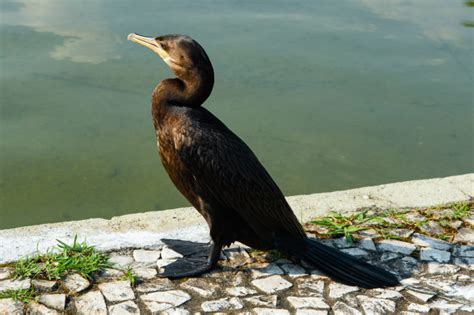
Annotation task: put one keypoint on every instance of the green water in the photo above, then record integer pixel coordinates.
(329, 94)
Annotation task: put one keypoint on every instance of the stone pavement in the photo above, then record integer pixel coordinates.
(437, 278)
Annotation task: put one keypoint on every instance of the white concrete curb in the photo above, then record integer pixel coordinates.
(146, 229)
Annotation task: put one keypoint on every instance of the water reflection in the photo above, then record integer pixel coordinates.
(83, 42)
(430, 16)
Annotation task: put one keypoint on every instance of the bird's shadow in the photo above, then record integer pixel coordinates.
(194, 255)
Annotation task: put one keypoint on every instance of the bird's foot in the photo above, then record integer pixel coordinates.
(193, 267)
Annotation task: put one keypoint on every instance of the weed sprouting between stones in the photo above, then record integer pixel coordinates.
(57, 262)
(23, 295)
(384, 222)
(129, 276)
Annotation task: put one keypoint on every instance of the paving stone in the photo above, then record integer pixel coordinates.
(441, 269)
(121, 261)
(469, 220)
(89, 303)
(463, 278)
(240, 291)
(111, 273)
(225, 304)
(444, 285)
(409, 281)
(44, 285)
(464, 291)
(465, 235)
(415, 216)
(375, 305)
(270, 311)
(387, 256)
(75, 283)
(265, 270)
(444, 306)
(238, 279)
(160, 263)
(10, 284)
(341, 243)
(294, 271)
(404, 267)
(337, 290)
(310, 287)
(396, 247)
(159, 284)
(262, 300)
(418, 308)
(426, 241)
(467, 309)
(124, 308)
(145, 273)
(160, 301)
(369, 233)
(367, 243)
(272, 284)
(55, 301)
(237, 257)
(307, 302)
(308, 311)
(117, 291)
(401, 233)
(387, 294)
(455, 224)
(437, 214)
(429, 254)
(146, 256)
(465, 251)
(421, 296)
(464, 262)
(40, 309)
(356, 252)
(176, 311)
(5, 273)
(351, 300)
(203, 287)
(432, 228)
(10, 306)
(341, 308)
(168, 253)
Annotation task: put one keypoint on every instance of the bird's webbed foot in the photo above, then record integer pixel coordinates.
(192, 267)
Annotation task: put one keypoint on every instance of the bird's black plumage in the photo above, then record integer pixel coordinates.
(223, 179)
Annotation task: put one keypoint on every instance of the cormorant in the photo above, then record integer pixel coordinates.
(223, 179)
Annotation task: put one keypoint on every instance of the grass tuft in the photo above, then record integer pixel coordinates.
(129, 275)
(461, 210)
(384, 222)
(339, 224)
(78, 257)
(23, 295)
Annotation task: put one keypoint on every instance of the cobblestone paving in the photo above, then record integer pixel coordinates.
(436, 278)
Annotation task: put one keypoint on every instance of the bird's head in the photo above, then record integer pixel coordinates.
(180, 52)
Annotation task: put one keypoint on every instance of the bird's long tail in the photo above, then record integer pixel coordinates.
(343, 267)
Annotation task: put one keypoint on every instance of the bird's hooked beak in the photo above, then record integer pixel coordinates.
(152, 44)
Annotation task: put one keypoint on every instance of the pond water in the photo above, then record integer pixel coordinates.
(330, 95)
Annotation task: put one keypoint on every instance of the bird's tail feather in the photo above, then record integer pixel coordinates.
(343, 267)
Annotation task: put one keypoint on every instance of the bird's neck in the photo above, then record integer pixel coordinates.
(189, 89)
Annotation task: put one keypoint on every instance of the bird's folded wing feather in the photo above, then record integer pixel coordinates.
(226, 169)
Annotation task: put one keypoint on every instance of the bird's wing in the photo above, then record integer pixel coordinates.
(225, 168)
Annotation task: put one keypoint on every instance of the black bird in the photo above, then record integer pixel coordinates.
(223, 179)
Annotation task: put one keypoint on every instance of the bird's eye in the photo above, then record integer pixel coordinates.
(163, 46)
